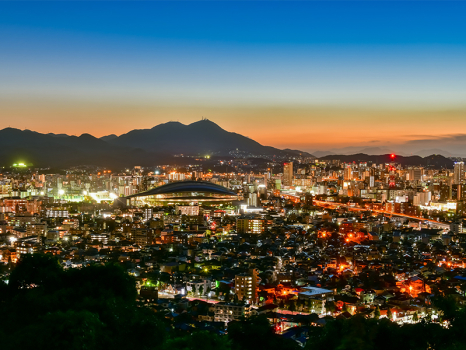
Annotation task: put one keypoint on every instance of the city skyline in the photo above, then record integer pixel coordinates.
(392, 73)
(234, 175)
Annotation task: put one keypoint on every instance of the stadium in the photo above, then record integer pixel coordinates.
(181, 192)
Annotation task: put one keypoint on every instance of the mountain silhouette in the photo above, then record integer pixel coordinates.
(158, 145)
(435, 160)
(199, 138)
(146, 147)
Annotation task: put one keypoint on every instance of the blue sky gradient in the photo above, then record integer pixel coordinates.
(308, 54)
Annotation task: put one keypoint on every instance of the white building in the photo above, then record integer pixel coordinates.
(226, 312)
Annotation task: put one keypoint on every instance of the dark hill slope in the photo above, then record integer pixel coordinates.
(199, 138)
(434, 161)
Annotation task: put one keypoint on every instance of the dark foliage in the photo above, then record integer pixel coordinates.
(45, 307)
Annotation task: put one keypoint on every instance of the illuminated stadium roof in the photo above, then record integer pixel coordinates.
(187, 191)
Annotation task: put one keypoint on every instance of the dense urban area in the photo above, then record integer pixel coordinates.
(233, 253)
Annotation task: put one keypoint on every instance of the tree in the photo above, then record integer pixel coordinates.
(193, 289)
(88, 308)
(198, 341)
(377, 312)
(201, 290)
(257, 333)
(344, 308)
(292, 306)
(330, 306)
(389, 314)
(36, 270)
(262, 296)
(447, 306)
(74, 330)
(415, 317)
(310, 304)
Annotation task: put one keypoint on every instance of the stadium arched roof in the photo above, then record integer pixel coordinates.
(186, 187)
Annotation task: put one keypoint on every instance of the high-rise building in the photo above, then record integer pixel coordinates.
(415, 174)
(461, 192)
(444, 192)
(348, 175)
(458, 174)
(422, 198)
(460, 208)
(246, 285)
(288, 174)
(246, 225)
(173, 176)
(266, 180)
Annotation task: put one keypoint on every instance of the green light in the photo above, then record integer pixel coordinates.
(149, 284)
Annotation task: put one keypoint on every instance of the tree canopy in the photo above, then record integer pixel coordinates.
(46, 307)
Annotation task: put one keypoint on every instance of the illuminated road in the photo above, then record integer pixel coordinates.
(387, 213)
(210, 301)
(172, 296)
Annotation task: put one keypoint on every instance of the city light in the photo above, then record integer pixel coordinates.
(283, 222)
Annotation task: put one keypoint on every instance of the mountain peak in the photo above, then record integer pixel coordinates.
(109, 137)
(86, 136)
(168, 124)
(205, 123)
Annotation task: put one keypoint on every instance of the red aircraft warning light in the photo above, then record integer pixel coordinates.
(392, 156)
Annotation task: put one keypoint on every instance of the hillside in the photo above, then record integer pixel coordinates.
(435, 161)
(138, 147)
(199, 138)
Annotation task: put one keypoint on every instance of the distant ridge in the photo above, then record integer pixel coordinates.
(198, 138)
(434, 160)
(160, 144)
(109, 137)
(138, 147)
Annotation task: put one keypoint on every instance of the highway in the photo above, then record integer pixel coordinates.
(387, 213)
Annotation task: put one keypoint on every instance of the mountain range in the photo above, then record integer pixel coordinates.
(203, 137)
(144, 147)
(435, 160)
(160, 144)
(404, 150)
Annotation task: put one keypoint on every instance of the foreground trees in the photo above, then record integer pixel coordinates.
(89, 308)
(45, 307)
(360, 333)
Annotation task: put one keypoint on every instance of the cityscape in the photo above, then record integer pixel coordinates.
(297, 224)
